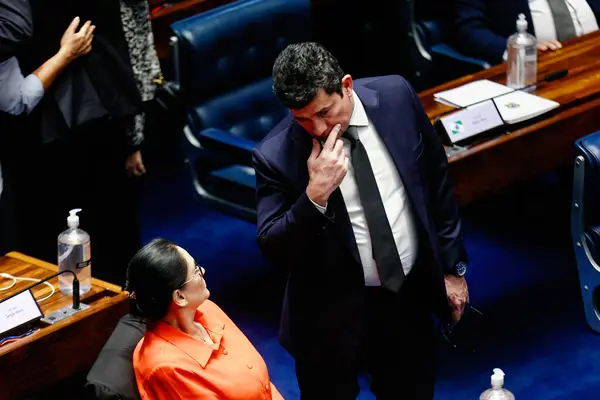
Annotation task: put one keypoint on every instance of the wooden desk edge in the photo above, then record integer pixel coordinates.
(558, 116)
(51, 267)
(112, 302)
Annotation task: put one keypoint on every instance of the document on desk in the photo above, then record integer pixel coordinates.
(520, 106)
(471, 93)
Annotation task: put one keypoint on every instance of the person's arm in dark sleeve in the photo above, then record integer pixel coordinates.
(445, 209)
(473, 36)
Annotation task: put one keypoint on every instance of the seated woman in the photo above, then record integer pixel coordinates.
(191, 349)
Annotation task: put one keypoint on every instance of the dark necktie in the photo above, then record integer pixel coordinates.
(565, 29)
(385, 252)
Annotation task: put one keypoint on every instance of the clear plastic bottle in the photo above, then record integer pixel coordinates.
(497, 392)
(74, 253)
(521, 69)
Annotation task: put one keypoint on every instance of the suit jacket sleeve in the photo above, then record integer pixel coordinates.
(446, 218)
(16, 26)
(474, 36)
(285, 228)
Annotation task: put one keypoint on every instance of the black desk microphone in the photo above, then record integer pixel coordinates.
(76, 304)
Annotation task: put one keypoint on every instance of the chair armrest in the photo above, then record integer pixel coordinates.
(235, 148)
(592, 236)
(448, 51)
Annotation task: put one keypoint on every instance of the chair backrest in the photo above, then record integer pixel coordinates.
(250, 112)
(225, 58)
(112, 376)
(585, 224)
(235, 45)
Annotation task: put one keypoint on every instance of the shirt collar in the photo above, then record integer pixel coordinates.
(359, 115)
(196, 349)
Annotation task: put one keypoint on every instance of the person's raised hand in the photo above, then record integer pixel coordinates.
(76, 43)
(327, 167)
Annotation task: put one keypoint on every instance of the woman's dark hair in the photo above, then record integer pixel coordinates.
(154, 273)
(301, 70)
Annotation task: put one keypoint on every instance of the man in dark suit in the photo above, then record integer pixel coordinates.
(483, 26)
(366, 224)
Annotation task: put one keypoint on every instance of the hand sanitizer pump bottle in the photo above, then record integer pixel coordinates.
(74, 253)
(521, 68)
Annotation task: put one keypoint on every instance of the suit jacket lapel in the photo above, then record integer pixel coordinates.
(401, 151)
(398, 145)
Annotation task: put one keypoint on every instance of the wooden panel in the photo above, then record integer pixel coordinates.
(58, 351)
(547, 142)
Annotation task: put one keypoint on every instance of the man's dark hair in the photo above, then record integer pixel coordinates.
(301, 70)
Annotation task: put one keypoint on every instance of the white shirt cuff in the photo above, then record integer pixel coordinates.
(322, 209)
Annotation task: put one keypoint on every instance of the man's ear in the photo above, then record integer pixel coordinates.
(347, 85)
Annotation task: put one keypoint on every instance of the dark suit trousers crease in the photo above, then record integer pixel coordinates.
(85, 169)
(397, 351)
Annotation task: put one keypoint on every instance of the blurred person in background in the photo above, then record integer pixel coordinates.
(19, 94)
(72, 151)
(482, 27)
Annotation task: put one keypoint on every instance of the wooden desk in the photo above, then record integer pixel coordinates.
(58, 351)
(542, 146)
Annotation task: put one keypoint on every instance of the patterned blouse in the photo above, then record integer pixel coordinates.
(135, 17)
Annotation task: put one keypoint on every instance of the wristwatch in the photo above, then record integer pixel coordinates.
(460, 269)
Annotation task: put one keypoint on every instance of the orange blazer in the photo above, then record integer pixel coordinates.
(170, 364)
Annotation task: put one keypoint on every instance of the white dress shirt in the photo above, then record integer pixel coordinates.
(543, 23)
(396, 204)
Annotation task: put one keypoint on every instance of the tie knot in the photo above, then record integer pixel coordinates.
(351, 134)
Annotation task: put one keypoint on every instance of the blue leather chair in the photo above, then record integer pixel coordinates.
(223, 60)
(585, 224)
(433, 34)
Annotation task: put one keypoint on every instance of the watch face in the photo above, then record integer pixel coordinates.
(461, 269)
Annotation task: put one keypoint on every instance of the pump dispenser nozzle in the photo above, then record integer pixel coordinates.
(73, 219)
(498, 378)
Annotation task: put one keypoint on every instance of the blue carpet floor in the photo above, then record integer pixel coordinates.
(522, 276)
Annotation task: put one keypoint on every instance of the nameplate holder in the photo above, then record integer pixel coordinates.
(18, 313)
(463, 125)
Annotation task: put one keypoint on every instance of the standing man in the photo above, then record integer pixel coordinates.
(354, 199)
